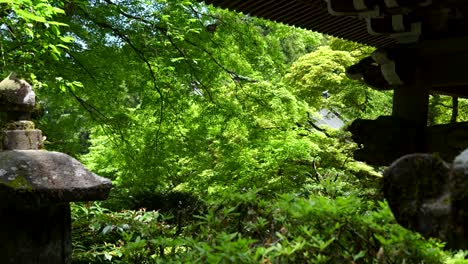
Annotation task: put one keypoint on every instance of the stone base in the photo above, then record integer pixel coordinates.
(35, 235)
(429, 196)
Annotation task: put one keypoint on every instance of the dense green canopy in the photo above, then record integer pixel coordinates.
(177, 97)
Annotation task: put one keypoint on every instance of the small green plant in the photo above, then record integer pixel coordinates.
(244, 228)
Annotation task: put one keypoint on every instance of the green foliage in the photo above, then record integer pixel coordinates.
(243, 228)
(125, 237)
(324, 70)
(31, 35)
(441, 110)
(182, 116)
(175, 100)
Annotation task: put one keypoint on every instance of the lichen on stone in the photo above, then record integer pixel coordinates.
(16, 95)
(19, 182)
(19, 125)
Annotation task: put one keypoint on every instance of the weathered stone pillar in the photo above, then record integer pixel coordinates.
(36, 186)
(429, 196)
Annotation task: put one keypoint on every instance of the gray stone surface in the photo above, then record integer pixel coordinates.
(41, 177)
(16, 95)
(430, 196)
(459, 191)
(36, 186)
(329, 119)
(22, 139)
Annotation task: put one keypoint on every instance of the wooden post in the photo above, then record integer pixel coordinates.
(410, 103)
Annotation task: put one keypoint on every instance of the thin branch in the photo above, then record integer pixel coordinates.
(87, 106)
(192, 69)
(453, 118)
(234, 76)
(142, 56)
(312, 124)
(318, 176)
(127, 40)
(103, 24)
(98, 115)
(91, 75)
(127, 15)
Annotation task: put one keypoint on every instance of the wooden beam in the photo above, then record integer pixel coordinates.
(411, 101)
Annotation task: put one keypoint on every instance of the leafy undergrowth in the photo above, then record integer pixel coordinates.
(243, 228)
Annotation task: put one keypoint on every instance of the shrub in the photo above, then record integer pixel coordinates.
(243, 228)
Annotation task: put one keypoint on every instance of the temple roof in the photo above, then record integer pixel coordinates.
(307, 14)
(378, 23)
(435, 33)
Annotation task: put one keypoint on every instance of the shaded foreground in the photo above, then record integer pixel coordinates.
(243, 228)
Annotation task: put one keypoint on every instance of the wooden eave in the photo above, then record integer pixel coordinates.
(307, 14)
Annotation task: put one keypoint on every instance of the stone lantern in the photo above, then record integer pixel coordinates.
(36, 186)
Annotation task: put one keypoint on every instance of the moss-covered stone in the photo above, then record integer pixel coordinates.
(16, 95)
(49, 177)
(18, 183)
(19, 125)
(429, 196)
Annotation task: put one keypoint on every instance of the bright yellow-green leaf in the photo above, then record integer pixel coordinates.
(30, 16)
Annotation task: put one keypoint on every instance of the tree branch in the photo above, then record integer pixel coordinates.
(453, 118)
